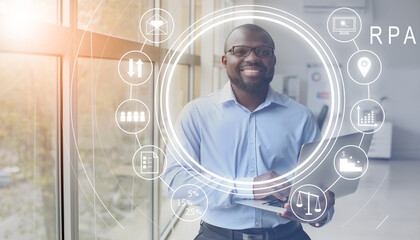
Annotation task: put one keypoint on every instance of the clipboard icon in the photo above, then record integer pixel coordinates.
(149, 162)
(157, 25)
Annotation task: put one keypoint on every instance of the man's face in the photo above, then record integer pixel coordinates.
(249, 73)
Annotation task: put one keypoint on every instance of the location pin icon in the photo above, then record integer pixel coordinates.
(364, 65)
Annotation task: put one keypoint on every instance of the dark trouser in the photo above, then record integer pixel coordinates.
(289, 231)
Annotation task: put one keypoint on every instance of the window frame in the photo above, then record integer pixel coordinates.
(67, 42)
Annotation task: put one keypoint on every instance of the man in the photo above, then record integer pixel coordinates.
(246, 132)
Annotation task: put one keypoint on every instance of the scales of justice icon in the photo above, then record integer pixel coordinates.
(299, 202)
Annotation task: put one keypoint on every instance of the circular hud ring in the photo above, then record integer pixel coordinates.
(249, 12)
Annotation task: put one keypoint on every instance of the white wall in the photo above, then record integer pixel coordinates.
(401, 63)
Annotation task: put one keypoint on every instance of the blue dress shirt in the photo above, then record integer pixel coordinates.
(227, 139)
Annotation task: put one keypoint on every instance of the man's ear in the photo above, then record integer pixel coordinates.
(224, 61)
(275, 60)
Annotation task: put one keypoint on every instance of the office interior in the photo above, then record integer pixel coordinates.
(66, 167)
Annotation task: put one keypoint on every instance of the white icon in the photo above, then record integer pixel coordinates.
(188, 202)
(347, 166)
(131, 68)
(135, 68)
(299, 202)
(133, 116)
(129, 117)
(142, 117)
(136, 117)
(367, 116)
(188, 196)
(367, 120)
(351, 162)
(344, 25)
(309, 208)
(364, 65)
(149, 162)
(156, 25)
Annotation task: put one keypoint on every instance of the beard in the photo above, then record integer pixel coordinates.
(250, 87)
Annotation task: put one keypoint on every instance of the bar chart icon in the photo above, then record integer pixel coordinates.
(367, 119)
(367, 116)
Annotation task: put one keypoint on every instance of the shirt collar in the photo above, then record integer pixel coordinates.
(274, 97)
(228, 95)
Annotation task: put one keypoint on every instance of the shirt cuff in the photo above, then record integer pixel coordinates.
(330, 215)
(246, 191)
(328, 218)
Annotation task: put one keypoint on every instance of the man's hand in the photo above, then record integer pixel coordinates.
(272, 188)
(330, 203)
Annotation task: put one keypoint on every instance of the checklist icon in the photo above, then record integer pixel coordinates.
(149, 162)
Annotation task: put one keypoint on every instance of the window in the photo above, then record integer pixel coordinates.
(22, 12)
(54, 186)
(198, 15)
(115, 17)
(120, 204)
(28, 152)
(179, 10)
(179, 94)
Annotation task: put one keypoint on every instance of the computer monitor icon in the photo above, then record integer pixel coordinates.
(344, 25)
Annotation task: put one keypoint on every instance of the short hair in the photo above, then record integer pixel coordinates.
(250, 27)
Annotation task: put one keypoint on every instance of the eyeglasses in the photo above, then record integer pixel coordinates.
(243, 51)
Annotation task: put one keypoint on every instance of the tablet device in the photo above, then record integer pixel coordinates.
(321, 173)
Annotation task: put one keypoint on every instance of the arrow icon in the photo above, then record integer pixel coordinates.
(139, 68)
(131, 68)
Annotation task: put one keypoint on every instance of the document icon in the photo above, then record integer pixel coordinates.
(149, 162)
(157, 25)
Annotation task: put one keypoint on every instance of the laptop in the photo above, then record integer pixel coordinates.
(322, 173)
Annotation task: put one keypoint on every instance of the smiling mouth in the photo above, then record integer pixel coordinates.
(252, 72)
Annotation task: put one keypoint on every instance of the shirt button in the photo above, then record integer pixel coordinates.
(257, 223)
(252, 169)
(251, 141)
